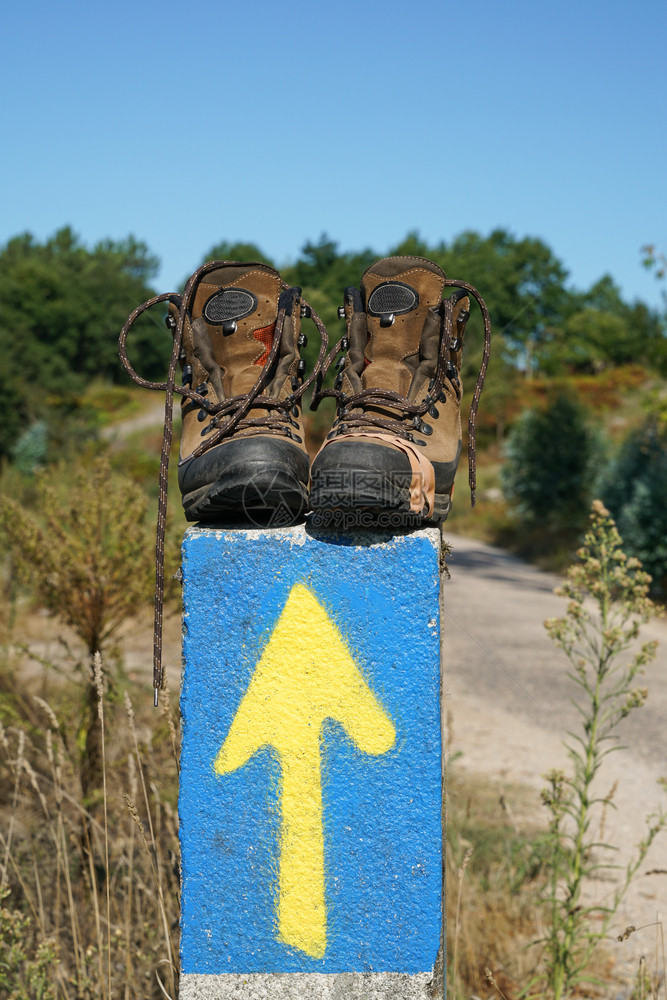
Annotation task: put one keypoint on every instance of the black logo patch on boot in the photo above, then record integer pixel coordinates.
(229, 304)
(392, 297)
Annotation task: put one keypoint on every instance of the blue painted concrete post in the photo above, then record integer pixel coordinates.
(311, 781)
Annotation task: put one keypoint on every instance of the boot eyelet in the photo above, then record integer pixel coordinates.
(426, 429)
(341, 312)
(295, 383)
(422, 443)
(455, 345)
(301, 368)
(202, 389)
(433, 412)
(202, 415)
(344, 344)
(186, 377)
(297, 438)
(295, 411)
(302, 340)
(442, 397)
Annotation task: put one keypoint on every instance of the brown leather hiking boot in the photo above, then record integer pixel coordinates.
(238, 339)
(239, 452)
(237, 336)
(396, 440)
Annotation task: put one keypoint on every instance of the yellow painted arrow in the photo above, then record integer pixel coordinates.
(304, 676)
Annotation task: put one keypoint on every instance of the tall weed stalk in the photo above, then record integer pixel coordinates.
(608, 600)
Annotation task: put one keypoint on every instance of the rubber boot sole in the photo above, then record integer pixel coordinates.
(370, 491)
(255, 492)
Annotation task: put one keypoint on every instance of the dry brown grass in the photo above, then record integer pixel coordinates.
(494, 876)
(97, 886)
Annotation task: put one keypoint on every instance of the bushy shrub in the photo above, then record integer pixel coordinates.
(634, 488)
(550, 460)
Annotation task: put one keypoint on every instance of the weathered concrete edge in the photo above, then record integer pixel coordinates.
(307, 986)
(300, 535)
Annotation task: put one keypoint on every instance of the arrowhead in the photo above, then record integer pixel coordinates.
(304, 676)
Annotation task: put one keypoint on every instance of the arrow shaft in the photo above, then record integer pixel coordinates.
(301, 905)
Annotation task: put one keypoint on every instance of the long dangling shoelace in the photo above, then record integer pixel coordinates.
(234, 409)
(388, 397)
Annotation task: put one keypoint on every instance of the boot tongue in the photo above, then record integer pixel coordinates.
(238, 303)
(398, 293)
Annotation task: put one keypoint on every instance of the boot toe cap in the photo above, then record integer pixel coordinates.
(360, 473)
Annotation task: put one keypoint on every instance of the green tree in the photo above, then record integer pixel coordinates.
(634, 487)
(523, 284)
(601, 331)
(225, 250)
(61, 309)
(549, 471)
(654, 260)
(540, 325)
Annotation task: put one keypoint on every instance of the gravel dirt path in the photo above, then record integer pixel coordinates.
(148, 419)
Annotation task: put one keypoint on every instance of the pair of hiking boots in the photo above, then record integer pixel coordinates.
(392, 452)
(396, 440)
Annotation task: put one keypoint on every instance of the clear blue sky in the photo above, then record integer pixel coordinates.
(189, 123)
